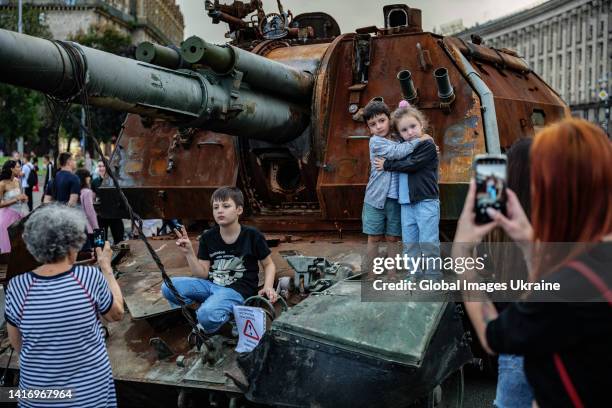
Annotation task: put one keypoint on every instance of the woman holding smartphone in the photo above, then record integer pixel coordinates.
(568, 359)
(52, 313)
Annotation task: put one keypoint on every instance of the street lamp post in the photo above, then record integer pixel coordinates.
(604, 97)
(606, 123)
(20, 30)
(20, 18)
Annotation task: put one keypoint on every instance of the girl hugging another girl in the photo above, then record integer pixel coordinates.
(418, 186)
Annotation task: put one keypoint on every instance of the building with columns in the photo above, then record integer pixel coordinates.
(159, 21)
(566, 42)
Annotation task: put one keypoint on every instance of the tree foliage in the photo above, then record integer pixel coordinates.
(32, 19)
(21, 110)
(105, 38)
(19, 114)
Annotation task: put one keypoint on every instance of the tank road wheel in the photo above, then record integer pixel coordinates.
(449, 394)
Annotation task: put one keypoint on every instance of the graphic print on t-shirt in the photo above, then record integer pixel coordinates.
(235, 265)
(227, 270)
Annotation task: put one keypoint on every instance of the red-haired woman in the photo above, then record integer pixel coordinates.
(567, 344)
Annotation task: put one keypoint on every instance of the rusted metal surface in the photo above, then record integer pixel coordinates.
(305, 57)
(459, 134)
(323, 97)
(139, 274)
(518, 93)
(140, 278)
(323, 25)
(303, 223)
(141, 160)
(500, 58)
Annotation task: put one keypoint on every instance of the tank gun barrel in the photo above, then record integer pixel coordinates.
(159, 55)
(184, 97)
(259, 72)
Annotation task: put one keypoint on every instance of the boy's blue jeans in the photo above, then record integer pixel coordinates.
(513, 390)
(420, 233)
(217, 302)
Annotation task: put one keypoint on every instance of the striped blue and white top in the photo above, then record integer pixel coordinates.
(62, 338)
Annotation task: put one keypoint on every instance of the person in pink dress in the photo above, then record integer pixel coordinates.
(11, 201)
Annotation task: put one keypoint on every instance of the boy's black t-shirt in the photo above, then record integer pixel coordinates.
(234, 265)
(64, 184)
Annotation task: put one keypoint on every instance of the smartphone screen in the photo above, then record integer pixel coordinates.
(98, 238)
(490, 185)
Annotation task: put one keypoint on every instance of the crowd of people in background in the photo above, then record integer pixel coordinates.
(73, 180)
(75, 183)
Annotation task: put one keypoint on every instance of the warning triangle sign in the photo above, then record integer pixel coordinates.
(249, 330)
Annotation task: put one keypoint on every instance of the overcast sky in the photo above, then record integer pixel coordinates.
(351, 14)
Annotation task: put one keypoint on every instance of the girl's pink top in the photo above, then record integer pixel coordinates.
(87, 197)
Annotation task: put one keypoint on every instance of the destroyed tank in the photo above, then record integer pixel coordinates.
(277, 112)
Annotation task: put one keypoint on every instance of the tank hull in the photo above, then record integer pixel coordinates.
(316, 373)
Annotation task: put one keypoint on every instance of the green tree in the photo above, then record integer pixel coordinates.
(21, 110)
(31, 18)
(105, 38)
(20, 114)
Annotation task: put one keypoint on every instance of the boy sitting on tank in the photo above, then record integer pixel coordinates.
(226, 268)
(381, 210)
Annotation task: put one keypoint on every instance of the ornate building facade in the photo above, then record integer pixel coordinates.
(566, 42)
(159, 21)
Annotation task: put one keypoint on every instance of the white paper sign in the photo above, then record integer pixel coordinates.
(251, 324)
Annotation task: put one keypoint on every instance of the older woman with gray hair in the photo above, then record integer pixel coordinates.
(53, 312)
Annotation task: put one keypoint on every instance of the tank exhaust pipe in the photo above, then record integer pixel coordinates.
(446, 93)
(409, 92)
(167, 57)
